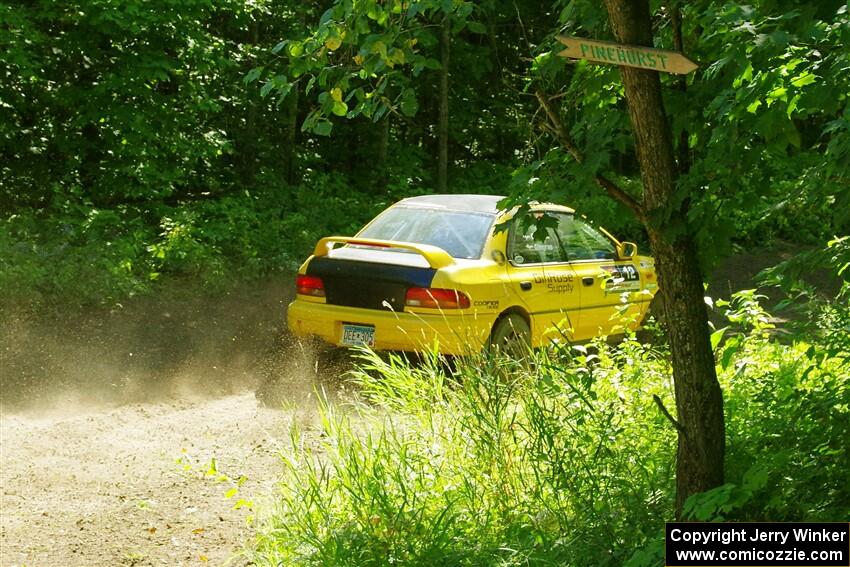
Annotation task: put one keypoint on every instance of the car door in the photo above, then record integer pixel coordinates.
(606, 284)
(542, 277)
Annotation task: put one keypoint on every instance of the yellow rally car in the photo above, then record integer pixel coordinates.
(442, 269)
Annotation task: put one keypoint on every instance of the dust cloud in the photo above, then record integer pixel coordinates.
(111, 421)
(181, 345)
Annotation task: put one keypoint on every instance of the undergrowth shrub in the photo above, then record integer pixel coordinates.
(560, 460)
(787, 407)
(78, 254)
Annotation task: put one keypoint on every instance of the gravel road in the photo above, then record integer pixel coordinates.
(110, 421)
(130, 485)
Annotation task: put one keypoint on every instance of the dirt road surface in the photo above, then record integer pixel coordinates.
(124, 432)
(133, 485)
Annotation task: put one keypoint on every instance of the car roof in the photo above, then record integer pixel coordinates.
(471, 203)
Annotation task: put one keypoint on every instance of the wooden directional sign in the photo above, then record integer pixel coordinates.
(628, 55)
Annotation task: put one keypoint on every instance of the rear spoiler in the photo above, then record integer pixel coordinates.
(437, 257)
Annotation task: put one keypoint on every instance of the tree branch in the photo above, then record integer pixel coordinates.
(666, 413)
(557, 128)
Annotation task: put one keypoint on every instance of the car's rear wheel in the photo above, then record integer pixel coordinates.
(511, 335)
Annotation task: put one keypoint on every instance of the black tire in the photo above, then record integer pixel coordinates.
(512, 335)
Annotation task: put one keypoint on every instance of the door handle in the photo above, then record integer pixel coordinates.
(525, 286)
(587, 280)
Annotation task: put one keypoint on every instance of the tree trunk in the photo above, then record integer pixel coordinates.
(699, 401)
(443, 126)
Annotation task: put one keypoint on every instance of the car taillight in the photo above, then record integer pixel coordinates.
(436, 298)
(309, 285)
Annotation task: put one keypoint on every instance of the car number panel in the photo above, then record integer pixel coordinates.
(358, 335)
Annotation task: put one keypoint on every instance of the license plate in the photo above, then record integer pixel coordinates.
(356, 335)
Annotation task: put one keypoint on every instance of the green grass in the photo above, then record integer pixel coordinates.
(561, 460)
(497, 464)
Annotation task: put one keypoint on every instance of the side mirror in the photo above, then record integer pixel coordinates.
(498, 257)
(626, 250)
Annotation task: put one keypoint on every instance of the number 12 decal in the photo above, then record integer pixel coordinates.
(627, 272)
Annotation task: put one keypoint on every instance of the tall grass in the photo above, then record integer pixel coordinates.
(560, 459)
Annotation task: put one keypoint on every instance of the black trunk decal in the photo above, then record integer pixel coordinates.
(369, 285)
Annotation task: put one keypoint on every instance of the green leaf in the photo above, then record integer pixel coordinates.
(732, 347)
(380, 48)
(253, 75)
(409, 105)
(804, 79)
(792, 105)
(746, 76)
(775, 94)
(339, 108)
(296, 48)
(755, 478)
(323, 128)
(717, 336)
(477, 27)
(374, 12)
(327, 16)
(270, 84)
(282, 92)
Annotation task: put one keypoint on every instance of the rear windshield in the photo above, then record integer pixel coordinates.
(461, 234)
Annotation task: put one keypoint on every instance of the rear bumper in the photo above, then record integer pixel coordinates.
(455, 334)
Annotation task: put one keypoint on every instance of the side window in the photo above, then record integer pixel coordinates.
(534, 240)
(583, 242)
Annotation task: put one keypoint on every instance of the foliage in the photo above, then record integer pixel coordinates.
(90, 255)
(353, 43)
(113, 103)
(783, 473)
(562, 461)
(137, 148)
(773, 86)
(759, 128)
(817, 312)
(777, 93)
(117, 119)
(496, 464)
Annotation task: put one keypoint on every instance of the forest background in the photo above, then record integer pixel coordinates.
(206, 145)
(211, 141)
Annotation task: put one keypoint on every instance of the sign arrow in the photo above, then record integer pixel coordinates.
(611, 53)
